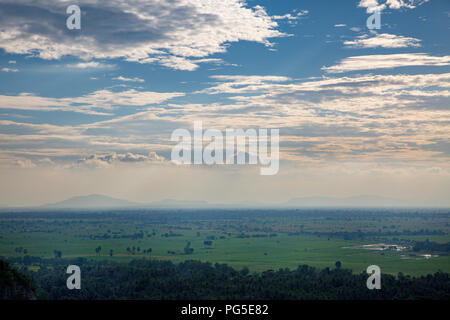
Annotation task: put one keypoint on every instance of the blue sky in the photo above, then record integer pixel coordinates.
(364, 109)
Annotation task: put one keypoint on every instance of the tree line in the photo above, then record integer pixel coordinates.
(194, 280)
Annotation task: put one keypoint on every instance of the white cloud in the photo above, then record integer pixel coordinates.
(12, 61)
(374, 84)
(10, 70)
(240, 83)
(295, 15)
(371, 5)
(179, 63)
(23, 163)
(107, 99)
(384, 40)
(101, 99)
(113, 158)
(340, 25)
(391, 4)
(136, 79)
(90, 65)
(387, 61)
(368, 3)
(150, 31)
(361, 117)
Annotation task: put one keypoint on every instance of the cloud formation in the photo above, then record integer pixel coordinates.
(172, 34)
(10, 70)
(391, 4)
(396, 118)
(384, 40)
(110, 159)
(125, 79)
(387, 61)
(292, 18)
(90, 65)
(101, 99)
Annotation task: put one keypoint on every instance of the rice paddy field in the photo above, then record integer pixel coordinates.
(258, 239)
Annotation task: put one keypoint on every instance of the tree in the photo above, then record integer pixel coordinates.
(245, 271)
(338, 264)
(57, 253)
(188, 249)
(111, 252)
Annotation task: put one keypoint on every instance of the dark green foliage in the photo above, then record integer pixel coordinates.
(432, 246)
(13, 284)
(151, 279)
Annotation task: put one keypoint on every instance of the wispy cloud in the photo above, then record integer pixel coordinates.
(110, 159)
(101, 99)
(387, 61)
(10, 70)
(358, 118)
(391, 4)
(136, 79)
(384, 40)
(292, 17)
(90, 65)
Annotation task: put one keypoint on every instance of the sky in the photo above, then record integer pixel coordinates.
(360, 111)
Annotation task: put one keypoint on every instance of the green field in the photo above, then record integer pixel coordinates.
(259, 240)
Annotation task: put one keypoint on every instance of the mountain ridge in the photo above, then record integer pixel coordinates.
(90, 201)
(102, 201)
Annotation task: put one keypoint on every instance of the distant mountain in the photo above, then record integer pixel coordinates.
(90, 202)
(96, 201)
(356, 201)
(101, 201)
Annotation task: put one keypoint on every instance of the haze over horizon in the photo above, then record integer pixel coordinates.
(101, 201)
(91, 111)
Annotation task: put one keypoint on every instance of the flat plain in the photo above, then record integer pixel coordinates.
(257, 239)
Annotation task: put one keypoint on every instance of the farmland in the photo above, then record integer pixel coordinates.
(257, 239)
